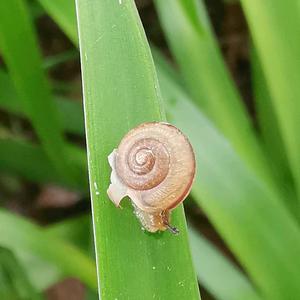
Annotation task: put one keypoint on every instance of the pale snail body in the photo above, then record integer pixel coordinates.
(155, 166)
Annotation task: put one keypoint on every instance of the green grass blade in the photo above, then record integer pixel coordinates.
(14, 283)
(73, 109)
(217, 274)
(43, 273)
(29, 238)
(30, 161)
(271, 135)
(268, 121)
(63, 13)
(18, 46)
(274, 27)
(56, 59)
(9, 102)
(75, 230)
(191, 40)
(120, 92)
(36, 10)
(250, 217)
(8, 96)
(16, 158)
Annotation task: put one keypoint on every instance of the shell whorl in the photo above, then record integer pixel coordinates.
(155, 162)
(142, 163)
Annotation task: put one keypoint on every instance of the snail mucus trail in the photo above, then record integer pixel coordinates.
(155, 166)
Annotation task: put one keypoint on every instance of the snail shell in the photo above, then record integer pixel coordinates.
(155, 166)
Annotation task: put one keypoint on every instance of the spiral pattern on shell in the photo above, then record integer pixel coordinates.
(157, 164)
(146, 162)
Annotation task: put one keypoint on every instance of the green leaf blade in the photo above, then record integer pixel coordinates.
(14, 282)
(16, 158)
(28, 238)
(275, 29)
(64, 14)
(218, 274)
(120, 92)
(18, 46)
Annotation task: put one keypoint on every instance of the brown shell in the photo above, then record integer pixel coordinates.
(155, 166)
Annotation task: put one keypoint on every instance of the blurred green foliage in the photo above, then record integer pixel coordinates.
(248, 177)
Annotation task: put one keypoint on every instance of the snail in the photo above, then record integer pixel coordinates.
(155, 166)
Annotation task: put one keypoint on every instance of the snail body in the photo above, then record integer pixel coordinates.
(155, 166)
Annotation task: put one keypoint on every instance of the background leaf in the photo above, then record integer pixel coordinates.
(19, 48)
(14, 283)
(16, 157)
(30, 243)
(217, 274)
(274, 27)
(64, 14)
(271, 137)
